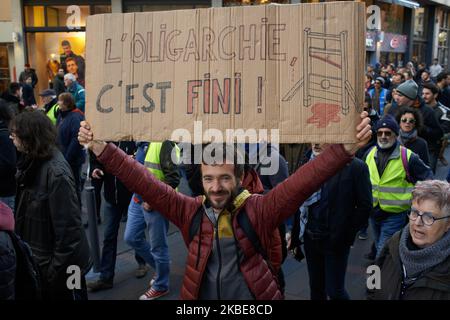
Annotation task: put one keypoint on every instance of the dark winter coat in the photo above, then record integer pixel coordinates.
(13, 102)
(433, 284)
(48, 218)
(7, 254)
(30, 73)
(114, 191)
(28, 95)
(7, 163)
(420, 147)
(349, 204)
(58, 85)
(431, 131)
(68, 124)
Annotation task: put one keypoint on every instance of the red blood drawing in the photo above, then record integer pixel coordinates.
(323, 114)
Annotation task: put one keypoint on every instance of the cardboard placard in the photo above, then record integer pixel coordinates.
(296, 68)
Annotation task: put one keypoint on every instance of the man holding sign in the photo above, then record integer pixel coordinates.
(215, 269)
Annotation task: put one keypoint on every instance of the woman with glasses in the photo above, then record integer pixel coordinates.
(411, 123)
(415, 262)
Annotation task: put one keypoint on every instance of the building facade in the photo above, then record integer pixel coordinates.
(33, 31)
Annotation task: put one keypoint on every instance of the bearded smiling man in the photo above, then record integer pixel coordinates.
(222, 262)
(394, 170)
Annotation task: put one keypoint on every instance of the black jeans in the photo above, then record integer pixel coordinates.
(326, 269)
(113, 215)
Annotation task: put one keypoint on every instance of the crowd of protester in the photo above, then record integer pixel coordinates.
(239, 223)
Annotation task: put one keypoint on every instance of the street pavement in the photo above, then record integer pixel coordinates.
(128, 287)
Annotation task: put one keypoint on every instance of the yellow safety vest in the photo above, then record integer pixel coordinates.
(152, 161)
(52, 113)
(392, 191)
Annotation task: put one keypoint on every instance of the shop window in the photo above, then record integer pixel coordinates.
(34, 16)
(420, 24)
(58, 16)
(4, 68)
(392, 17)
(419, 50)
(444, 29)
(46, 54)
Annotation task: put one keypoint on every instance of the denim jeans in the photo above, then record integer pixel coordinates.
(385, 229)
(112, 217)
(97, 184)
(155, 251)
(326, 270)
(9, 201)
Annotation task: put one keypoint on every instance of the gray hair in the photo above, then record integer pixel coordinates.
(434, 190)
(70, 77)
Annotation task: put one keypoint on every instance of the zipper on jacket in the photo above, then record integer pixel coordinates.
(216, 230)
(115, 183)
(115, 187)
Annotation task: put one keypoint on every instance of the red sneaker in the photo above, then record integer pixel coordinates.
(153, 294)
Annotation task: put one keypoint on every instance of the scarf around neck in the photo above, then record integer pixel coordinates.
(407, 137)
(417, 261)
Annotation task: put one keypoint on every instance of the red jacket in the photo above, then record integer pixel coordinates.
(266, 213)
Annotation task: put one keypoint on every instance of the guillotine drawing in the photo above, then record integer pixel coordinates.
(331, 85)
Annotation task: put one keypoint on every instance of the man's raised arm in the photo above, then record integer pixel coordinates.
(138, 179)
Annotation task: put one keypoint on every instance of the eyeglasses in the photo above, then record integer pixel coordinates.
(427, 217)
(386, 133)
(412, 121)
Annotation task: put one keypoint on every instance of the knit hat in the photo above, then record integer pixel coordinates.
(380, 79)
(389, 122)
(409, 89)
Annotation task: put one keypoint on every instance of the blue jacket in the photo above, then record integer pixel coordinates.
(383, 98)
(68, 124)
(77, 92)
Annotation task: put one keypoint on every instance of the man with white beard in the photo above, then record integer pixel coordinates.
(394, 170)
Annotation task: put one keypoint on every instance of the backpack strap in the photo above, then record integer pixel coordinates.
(195, 223)
(246, 225)
(404, 155)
